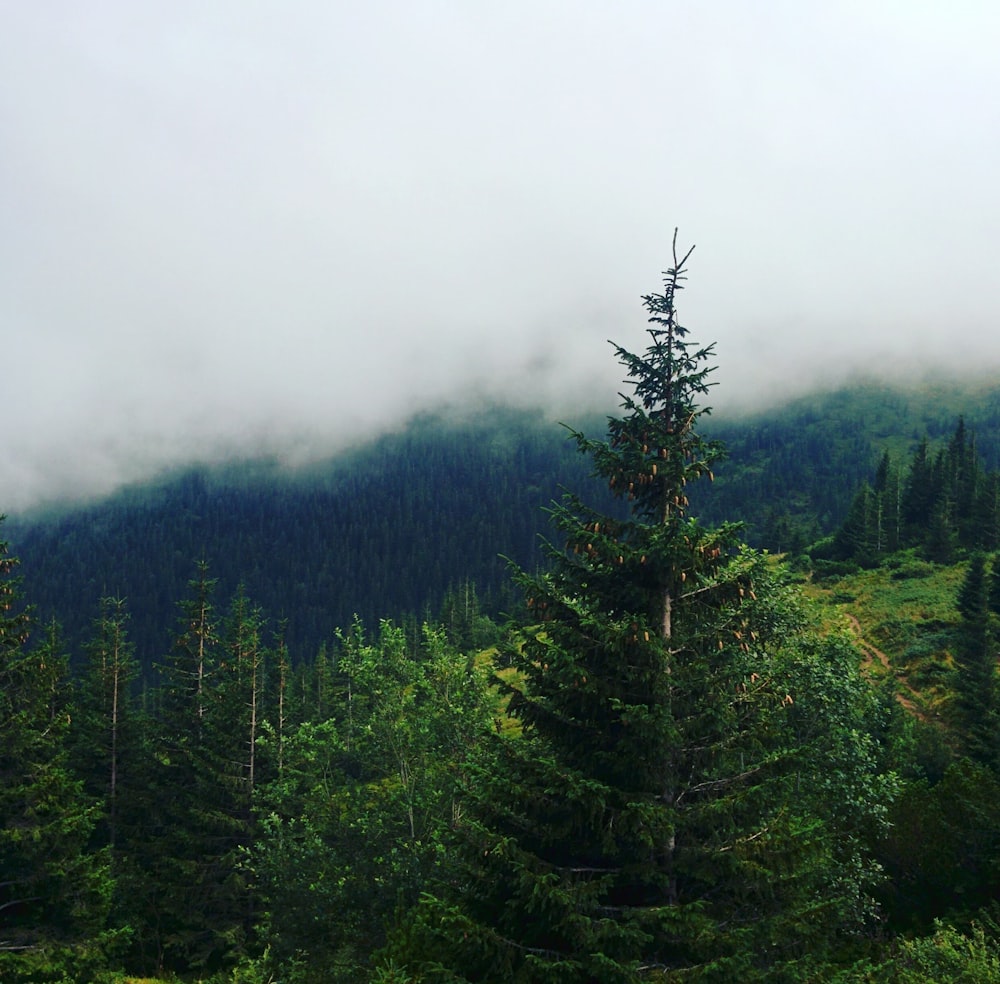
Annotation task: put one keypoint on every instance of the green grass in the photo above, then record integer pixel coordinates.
(906, 609)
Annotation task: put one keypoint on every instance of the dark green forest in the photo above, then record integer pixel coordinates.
(362, 722)
(352, 536)
(392, 528)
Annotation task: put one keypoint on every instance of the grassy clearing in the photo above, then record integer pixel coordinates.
(906, 611)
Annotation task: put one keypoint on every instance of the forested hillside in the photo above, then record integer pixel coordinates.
(390, 528)
(793, 470)
(386, 530)
(680, 760)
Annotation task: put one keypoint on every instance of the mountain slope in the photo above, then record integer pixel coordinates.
(380, 531)
(384, 530)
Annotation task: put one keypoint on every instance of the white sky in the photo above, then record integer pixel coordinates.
(234, 226)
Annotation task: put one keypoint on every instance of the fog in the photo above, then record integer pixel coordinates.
(233, 227)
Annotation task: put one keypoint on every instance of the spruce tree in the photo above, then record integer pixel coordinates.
(920, 492)
(54, 889)
(887, 490)
(858, 537)
(646, 817)
(189, 893)
(976, 665)
(103, 746)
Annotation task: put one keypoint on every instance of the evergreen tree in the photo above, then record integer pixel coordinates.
(962, 477)
(993, 586)
(919, 494)
(282, 700)
(940, 539)
(985, 525)
(104, 723)
(976, 682)
(191, 900)
(648, 815)
(888, 492)
(231, 763)
(54, 890)
(859, 537)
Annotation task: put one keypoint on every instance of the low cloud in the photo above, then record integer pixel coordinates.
(233, 229)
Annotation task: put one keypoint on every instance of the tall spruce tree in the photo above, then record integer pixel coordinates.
(919, 494)
(650, 815)
(103, 746)
(54, 889)
(190, 899)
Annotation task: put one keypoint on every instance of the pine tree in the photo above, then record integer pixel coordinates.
(643, 819)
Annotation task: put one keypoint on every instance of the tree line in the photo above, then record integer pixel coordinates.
(943, 503)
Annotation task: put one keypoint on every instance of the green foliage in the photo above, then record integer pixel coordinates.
(104, 743)
(943, 848)
(947, 955)
(360, 816)
(191, 899)
(947, 502)
(978, 699)
(694, 774)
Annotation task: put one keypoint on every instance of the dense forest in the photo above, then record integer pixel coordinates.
(351, 741)
(351, 536)
(390, 528)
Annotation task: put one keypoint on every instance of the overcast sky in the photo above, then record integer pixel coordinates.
(248, 225)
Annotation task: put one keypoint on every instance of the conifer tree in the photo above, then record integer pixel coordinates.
(191, 900)
(887, 491)
(962, 477)
(54, 890)
(976, 682)
(919, 494)
(105, 720)
(643, 821)
(986, 513)
(859, 536)
(993, 586)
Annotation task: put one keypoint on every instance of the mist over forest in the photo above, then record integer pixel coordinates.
(238, 232)
(327, 655)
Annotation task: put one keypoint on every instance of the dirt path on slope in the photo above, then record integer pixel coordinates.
(872, 653)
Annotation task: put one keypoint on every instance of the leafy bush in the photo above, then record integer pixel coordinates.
(948, 955)
(911, 569)
(831, 570)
